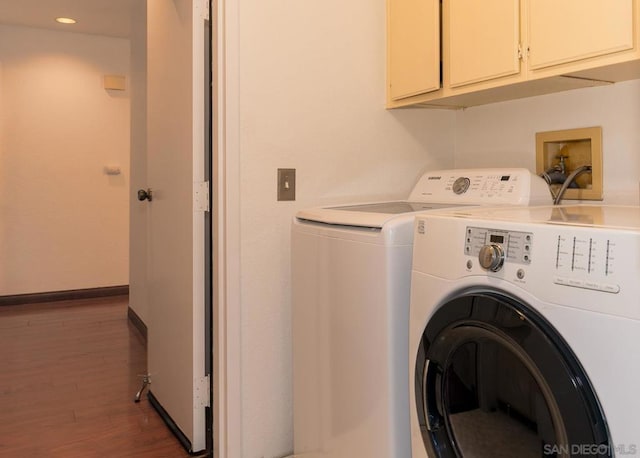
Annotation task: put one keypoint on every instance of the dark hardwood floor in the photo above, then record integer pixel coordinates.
(68, 374)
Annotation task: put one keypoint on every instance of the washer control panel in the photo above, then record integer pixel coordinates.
(515, 246)
(461, 185)
(488, 186)
(481, 186)
(587, 261)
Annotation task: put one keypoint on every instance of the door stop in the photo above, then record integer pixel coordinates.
(146, 381)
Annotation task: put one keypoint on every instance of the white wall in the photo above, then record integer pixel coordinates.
(503, 134)
(64, 222)
(310, 78)
(311, 85)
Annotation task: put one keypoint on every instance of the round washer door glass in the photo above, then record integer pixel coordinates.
(494, 379)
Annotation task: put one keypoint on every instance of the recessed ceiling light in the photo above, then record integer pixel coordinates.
(65, 20)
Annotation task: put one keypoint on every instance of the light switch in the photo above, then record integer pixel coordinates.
(112, 170)
(286, 184)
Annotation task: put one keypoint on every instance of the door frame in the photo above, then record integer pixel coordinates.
(227, 344)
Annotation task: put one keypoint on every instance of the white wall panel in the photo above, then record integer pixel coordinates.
(64, 221)
(312, 94)
(503, 134)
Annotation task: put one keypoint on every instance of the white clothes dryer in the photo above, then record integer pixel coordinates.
(524, 330)
(350, 309)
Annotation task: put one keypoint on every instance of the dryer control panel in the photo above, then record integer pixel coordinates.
(516, 246)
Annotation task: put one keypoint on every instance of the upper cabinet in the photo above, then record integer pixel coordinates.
(413, 47)
(497, 50)
(567, 31)
(482, 40)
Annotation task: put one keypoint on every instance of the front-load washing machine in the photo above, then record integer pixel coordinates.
(350, 308)
(524, 333)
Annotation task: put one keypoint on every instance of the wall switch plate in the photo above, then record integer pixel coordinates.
(286, 184)
(115, 82)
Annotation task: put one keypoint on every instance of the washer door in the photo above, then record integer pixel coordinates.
(494, 379)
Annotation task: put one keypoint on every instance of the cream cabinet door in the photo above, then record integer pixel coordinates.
(570, 30)
(413, 52)
(481, 40)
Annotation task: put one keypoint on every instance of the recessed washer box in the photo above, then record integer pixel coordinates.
(578, 147)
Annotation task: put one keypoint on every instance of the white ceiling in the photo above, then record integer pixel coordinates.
(99, 17)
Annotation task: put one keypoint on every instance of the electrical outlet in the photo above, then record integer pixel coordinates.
(286, 184)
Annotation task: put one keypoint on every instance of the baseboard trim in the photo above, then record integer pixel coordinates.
(137, 322)
(184, 440)
(68, 295)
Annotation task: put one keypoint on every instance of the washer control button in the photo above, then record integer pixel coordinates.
(560, 281)
(611, 288)
(491, 257)
(587, 284)
(575, 282)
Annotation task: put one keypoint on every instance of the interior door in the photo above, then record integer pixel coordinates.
(178, 352)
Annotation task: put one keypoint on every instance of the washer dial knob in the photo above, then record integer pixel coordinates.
(491, 257)
(461, 185)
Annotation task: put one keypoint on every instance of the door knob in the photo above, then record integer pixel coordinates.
(144, 195)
